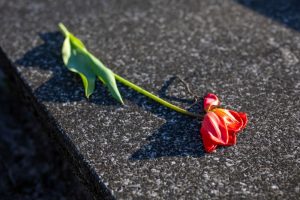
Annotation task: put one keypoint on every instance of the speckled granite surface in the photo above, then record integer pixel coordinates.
(143, 150)
(25, 170)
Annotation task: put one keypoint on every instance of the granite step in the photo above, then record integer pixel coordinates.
(143, 150)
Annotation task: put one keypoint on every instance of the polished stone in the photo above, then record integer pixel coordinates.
(246, 52)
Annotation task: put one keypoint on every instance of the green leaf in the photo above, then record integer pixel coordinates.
(79, 60)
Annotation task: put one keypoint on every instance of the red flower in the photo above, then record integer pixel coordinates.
(220, 126)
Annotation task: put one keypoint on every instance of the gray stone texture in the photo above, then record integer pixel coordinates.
(25, 170)
(246, 52)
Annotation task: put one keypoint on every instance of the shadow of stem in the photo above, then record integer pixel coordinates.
(178, 136)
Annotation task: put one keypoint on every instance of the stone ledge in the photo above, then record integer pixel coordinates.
(144, 150)
(68, 150)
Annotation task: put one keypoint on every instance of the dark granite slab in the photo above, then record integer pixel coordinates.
(145, 151)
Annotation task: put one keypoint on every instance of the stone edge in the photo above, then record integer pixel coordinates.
(81, 168)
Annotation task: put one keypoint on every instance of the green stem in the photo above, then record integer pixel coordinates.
(65, 32)
(154, 97)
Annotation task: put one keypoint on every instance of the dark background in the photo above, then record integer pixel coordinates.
(31, 166)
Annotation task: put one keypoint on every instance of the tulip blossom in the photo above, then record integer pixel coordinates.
(220, 126)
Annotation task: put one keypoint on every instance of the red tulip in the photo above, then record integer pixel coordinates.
(220, 126)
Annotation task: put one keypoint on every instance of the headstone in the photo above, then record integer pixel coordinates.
(143, 150)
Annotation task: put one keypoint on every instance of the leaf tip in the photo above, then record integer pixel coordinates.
(63, 29)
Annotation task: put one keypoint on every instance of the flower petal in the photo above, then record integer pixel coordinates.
(213, 131)
(211, 101)
(220, 126)
(232, 119)
(241, 117)
(232, 138)
(244, 118)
